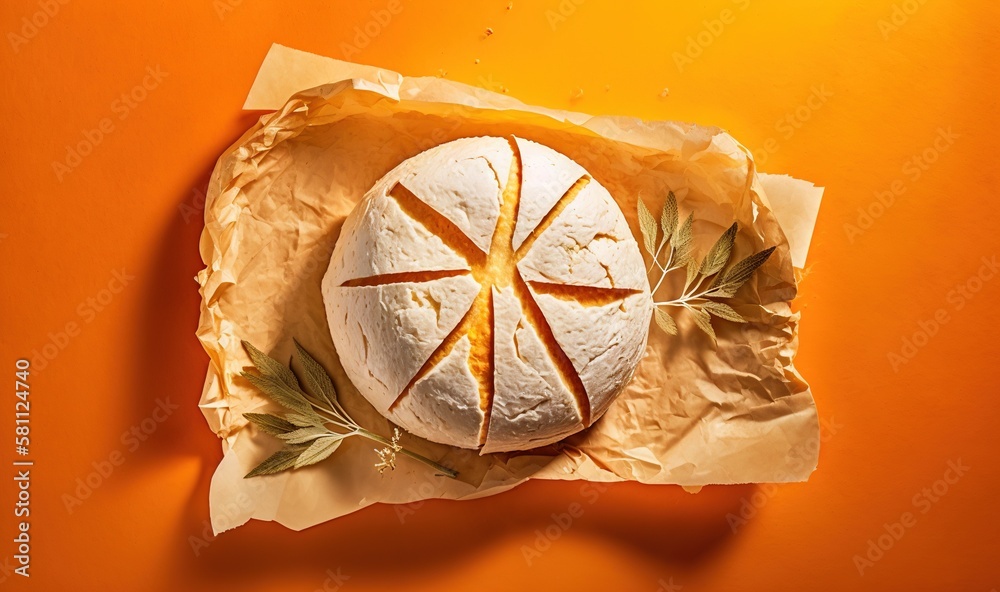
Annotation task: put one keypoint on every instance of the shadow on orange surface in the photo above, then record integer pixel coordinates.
(671, 527)
(172, 361)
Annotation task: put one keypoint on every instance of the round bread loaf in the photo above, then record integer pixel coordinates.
(488, 293)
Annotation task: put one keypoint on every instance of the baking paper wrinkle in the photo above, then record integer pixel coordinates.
(692, 415)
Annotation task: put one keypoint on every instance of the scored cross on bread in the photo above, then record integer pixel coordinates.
(488, 293)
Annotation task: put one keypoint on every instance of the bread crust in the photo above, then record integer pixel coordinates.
(412, 295)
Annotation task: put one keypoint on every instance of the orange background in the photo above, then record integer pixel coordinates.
(133, 204)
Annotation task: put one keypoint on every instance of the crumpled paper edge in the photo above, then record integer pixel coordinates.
(780, 190)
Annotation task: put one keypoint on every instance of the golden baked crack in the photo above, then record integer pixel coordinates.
(562, 362)
(406, 277)
(552, 214)
(438, 225)
(585, 295)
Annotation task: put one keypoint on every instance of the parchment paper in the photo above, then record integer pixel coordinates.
(693, 415)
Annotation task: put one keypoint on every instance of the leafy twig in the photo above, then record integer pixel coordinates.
(705, 283)
(304, 429)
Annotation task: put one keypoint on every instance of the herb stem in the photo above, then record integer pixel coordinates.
(681, 301)
(667, 269)
(340, 423)
(701, 296)
(695, 286)
(356, 430)
(381, 440)
(329, 434)
(342, 419)
(656, 256)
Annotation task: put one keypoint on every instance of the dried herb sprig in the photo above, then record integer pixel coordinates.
(387, 455)
(304, 429)
(706, 282)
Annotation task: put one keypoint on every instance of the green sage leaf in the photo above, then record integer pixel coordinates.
(682, 241)
(303, 435)
(740, 273)
(668, 217)
(718, 256)
(268, 366)
(665, 321)
(723, 311)
(271, 424)
(280, 392)
(647, 226)
(304, 420)
(279, 461)
(316, 377)
(704, 322)
(319, 450)
(692, 273)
